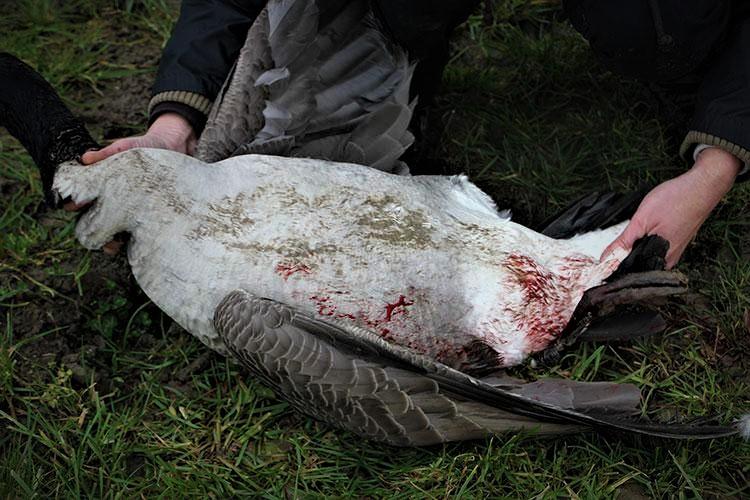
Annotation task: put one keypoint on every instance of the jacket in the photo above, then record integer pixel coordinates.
(704, 41)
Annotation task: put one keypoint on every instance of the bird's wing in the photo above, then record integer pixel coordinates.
(237, 113)
(591, 212)
(315, 79)
(352, 379)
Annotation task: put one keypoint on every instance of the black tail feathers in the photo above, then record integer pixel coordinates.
(593, 211)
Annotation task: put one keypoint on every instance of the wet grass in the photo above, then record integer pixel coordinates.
(99, 397)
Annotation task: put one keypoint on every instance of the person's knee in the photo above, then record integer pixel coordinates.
(656, 40)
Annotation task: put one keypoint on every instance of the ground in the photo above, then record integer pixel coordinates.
(101, 397)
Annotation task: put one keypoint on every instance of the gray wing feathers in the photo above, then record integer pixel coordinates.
(370, 398)
(237, 112)
(603, 397)
(334, 89)
(355, 380)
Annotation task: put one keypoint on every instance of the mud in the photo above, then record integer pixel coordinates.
(53, 322)
(119, 107)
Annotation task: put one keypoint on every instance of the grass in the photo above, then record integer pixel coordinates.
(99, 397)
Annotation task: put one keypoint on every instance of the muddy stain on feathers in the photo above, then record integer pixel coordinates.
(386, 221)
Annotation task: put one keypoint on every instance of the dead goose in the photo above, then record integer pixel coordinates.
(352, 292)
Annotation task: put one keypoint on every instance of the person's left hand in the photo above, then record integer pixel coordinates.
(677, 208)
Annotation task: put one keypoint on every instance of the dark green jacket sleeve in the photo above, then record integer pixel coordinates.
(204, 44)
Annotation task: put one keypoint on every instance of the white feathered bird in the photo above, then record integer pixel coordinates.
(366, 299)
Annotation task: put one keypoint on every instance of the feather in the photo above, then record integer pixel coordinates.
(591, 212)
(624, 325)
(743, 426)
(417, 401)
(328, 78)
(237, 114)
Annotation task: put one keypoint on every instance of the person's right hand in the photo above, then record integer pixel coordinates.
(169, 131)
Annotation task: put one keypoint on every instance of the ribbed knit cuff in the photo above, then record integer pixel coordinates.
(195, 101)
(695, 138)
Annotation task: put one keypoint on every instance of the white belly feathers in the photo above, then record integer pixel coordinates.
(425, 262)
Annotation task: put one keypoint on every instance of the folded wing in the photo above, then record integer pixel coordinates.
(315, 79)
(353, 379)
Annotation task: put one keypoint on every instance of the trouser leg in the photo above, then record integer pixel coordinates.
(660, 41)
(667, 44)
(694, 54)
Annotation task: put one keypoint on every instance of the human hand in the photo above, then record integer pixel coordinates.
(676, 209)
(169, 131)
